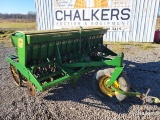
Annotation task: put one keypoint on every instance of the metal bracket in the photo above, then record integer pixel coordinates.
(149, 99)
(144, 97)
(115, 74)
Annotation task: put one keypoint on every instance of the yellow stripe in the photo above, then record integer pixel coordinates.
(80, 4)
(100, 3)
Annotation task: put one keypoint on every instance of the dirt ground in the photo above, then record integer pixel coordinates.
(142, 66)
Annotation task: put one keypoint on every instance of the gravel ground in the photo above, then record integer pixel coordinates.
(65, 102)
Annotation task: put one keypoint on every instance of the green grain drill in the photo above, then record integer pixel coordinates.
(48, 58)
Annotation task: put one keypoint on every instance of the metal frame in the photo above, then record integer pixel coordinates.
(45, 60)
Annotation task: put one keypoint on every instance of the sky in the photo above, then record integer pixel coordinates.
(20, 6)
(17, 6)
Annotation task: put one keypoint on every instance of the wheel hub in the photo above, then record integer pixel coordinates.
(31, 88)
(107, 90)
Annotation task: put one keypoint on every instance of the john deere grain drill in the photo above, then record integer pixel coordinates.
(45, 59)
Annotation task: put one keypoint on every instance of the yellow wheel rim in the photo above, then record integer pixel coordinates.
(107, 90)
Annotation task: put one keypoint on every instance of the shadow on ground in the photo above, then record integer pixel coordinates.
(141, 75)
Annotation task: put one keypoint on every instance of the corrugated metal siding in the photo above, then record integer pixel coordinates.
(142, 24)
(44, 13)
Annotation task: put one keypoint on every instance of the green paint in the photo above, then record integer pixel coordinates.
(136, 94)
(49, 58)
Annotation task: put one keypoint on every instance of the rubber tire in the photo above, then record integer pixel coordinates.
(122, 80)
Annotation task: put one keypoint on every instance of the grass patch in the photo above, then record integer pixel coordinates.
(118, 43)
(29, 25)
(121, 46)
(127, 43)
(146, 47)
(138, 44)
(5, 35)
(7, 27)
(116, 46)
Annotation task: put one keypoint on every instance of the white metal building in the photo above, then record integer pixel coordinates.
(127, 20)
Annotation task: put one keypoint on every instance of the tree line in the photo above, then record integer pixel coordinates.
(30, 15)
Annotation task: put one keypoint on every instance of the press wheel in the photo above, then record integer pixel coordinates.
(100, 80)
(31, 88)
(16, 75)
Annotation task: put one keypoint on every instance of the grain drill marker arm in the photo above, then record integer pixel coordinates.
(48, 58)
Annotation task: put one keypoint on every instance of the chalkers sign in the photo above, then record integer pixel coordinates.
(114, 14)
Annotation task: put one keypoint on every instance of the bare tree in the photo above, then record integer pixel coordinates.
(31, 15)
